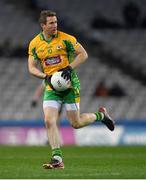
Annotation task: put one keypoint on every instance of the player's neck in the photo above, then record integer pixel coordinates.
(46, 36)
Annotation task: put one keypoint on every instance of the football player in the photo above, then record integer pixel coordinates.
(54, 51)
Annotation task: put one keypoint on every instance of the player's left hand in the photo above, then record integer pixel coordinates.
(66, 74)
(34, 103)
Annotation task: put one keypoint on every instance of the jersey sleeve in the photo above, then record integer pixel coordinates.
(74, 42)
(32, 50)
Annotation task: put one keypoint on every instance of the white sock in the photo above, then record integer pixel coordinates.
(58, 158)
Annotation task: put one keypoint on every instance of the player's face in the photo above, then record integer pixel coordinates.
(51, 25)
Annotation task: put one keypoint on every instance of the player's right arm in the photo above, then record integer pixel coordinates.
(33, 60)
(32, 67)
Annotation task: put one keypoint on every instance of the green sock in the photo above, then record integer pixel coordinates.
(57, 152)
(99, 116)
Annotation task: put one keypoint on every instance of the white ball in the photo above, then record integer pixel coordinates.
(59, 83)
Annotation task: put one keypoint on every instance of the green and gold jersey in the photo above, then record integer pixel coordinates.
(54, 54)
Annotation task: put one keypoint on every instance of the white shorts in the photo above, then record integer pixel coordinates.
(57, 105)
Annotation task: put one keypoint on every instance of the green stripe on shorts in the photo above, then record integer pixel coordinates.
(69, 96)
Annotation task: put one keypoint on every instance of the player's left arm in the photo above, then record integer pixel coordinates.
(81, 56)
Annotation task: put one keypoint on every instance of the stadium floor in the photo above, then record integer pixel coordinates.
(25, 162)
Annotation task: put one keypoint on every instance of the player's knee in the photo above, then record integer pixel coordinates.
(49, 122)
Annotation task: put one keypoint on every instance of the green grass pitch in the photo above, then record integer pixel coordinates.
(25, 162)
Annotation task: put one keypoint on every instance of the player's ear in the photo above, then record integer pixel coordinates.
(42, 25)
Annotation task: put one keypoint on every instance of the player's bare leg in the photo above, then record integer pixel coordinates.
(78, 121)
(84, 119)
(51, 117)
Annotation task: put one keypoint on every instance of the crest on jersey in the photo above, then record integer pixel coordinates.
(59, 47)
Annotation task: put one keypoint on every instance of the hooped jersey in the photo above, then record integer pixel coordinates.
(54, 54)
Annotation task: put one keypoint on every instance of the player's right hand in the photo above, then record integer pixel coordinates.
(48, 79)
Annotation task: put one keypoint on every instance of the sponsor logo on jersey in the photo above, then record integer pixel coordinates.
(52, 60)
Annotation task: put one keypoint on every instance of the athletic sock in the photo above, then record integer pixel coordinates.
(99, 116)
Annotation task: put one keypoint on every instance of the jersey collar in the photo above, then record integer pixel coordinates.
(50, 39)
